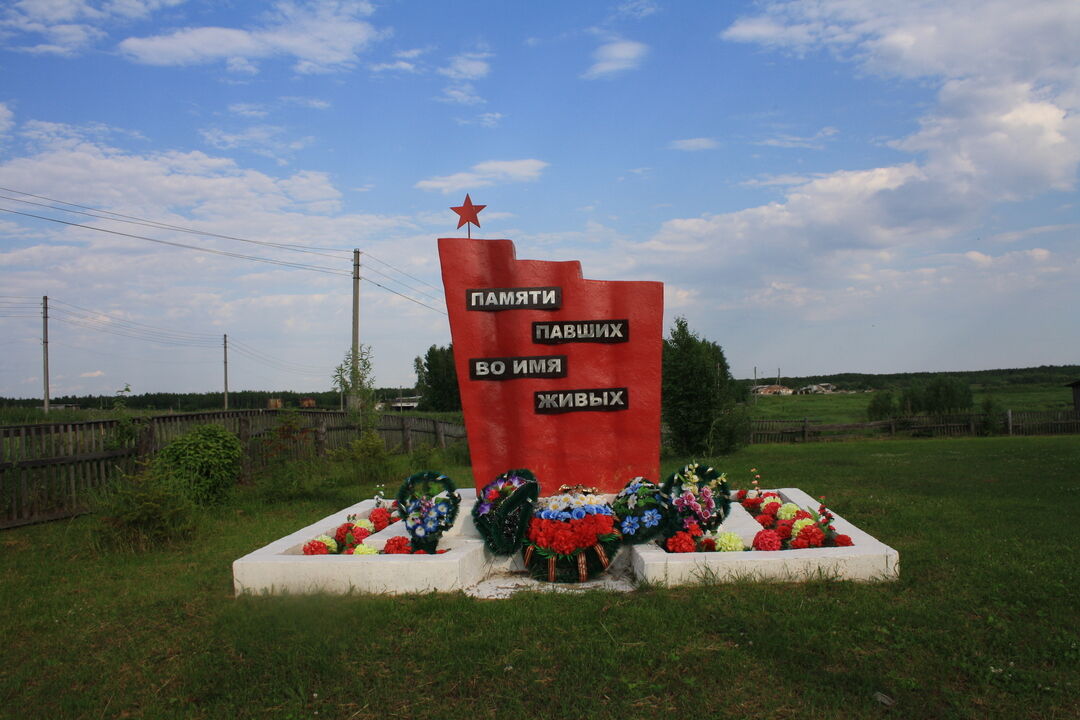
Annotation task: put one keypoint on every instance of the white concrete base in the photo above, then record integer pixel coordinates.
(865, 559)
(282, 568)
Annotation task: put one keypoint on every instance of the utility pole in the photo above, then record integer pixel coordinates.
(45, 346)
(354, 399)
(225, 347)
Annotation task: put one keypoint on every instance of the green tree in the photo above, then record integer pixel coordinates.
(355, 383)
(697, 390)
(882, 406)
(946, 394)
(436, 380)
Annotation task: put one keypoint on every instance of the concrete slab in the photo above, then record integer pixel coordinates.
(867, 559)
(281, 567)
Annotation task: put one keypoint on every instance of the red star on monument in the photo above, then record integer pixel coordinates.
(467, 212)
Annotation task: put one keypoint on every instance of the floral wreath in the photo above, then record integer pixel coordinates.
(642, 510)
(503, 508)
(428, 501)
(699, 496)
(571, 537)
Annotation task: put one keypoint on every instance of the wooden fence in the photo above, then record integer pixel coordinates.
(49, 471)
(1054, 422)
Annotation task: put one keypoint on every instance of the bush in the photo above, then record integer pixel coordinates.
(882, 406)
(205, 463)
(730, 430)
(457, 454)
(369, 455)
(425, 457)
(139, 512)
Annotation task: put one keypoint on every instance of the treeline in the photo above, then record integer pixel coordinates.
(191, 402)
(1042, 375)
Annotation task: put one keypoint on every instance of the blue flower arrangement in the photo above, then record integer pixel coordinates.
(429, 503)
(642, 509)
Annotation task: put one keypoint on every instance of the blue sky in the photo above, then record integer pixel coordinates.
(827, 186)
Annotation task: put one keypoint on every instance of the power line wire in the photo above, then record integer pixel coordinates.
(120, 217)
(300, 266)
(285, 263)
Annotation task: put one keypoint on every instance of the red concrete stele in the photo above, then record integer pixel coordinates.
(558, 374)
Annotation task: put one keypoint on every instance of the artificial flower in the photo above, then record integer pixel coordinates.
(766, 540)
(787, 511)
(727, 542)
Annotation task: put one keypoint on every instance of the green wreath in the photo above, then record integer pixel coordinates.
(428, 502)
(584, 564)
(643, 510)
(503, 508)
(695, 478)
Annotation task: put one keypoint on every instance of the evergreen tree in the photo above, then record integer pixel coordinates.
(697, 391)
(436, 380)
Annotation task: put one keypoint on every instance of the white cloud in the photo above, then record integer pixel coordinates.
(396, 66)
(486, 173)
(462, 70)
(67, 27)
(812, 142)
(320, 37)
(488, 119)
(1004, 128)
(266, 140)
(92, 374)
(308, 102)
(467, 66)
(637, 9)
(7, 120)
(248, 110)
(1011, 237)
(616, 57)
(462, 94)
(693, 144)
(203, 293)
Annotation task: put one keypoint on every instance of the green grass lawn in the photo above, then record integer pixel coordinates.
(983, 623)
(844, 408)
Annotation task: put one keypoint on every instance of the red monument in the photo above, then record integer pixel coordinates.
(558, 374)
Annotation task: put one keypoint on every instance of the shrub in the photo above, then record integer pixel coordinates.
(457, 454)
(730, 430)
(369, 455)
(205, 462)
(139, 512)
(882, 406)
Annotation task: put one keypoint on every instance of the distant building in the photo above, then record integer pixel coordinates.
(771, 390)
(404, 403)
(307, 402)
(818, 389)
(273, 404)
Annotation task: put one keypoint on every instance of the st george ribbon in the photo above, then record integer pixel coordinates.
(558, 374)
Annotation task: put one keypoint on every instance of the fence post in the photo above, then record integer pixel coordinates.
(1008, 421)
(406, 434)
(440, 434)
(244, 433)
(144, 442)
(892, 426)
(971, 423)
(320, 438)
(805, 429)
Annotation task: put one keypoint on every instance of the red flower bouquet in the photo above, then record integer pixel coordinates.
(571, 536)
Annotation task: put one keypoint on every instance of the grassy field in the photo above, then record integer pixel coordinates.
(843, 408)
(983, 623)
